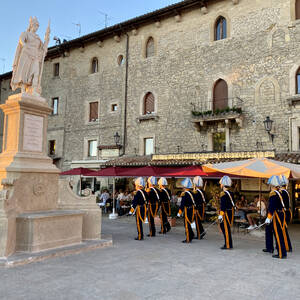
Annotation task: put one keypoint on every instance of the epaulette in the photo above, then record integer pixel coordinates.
(222, 194)
(182, 194)
(272, 193)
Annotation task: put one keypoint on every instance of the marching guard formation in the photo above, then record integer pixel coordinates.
(154, 195)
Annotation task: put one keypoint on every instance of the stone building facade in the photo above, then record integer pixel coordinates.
(172, 62)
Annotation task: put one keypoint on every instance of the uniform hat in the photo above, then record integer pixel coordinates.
(283, 180)
(152, 180)
(274, 180)
(187, 183)
(226, 181)
(140, 181)
(198, 181)
(162, 181)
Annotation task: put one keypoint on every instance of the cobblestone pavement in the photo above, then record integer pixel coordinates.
(159, 268)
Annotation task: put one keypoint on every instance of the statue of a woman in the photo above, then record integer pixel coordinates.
(29, 60)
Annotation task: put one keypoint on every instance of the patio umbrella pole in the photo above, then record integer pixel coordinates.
(260, 184)
(113, 215)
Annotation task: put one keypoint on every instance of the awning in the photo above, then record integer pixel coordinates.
(256, 167)
(77, 171)
(148, 171)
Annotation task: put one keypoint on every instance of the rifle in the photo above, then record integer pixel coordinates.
(204, 232)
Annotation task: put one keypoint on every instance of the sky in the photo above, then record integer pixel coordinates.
(64, 15)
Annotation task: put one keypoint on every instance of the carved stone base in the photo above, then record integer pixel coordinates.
(67, 199)
(47, 230)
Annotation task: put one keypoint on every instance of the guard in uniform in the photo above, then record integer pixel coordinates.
(165, 206)
(269, 238)
(288, 211)
(188, 207)
(199, 198)
(139, 206)
(226, 211)
(153, 204)
(276, 216)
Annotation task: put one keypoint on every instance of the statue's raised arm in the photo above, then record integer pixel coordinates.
(29, 60)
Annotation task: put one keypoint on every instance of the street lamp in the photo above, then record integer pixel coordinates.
(117, 138)
(268, 123)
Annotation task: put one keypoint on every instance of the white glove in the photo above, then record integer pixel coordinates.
(130, 213)
(220, 218)
(178, 215)
(268, 221)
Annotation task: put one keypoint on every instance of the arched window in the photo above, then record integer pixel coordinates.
(298, 81)
(220, 100)
(94, 65)
(149, 104)
(220, 29)
(150, 47)
(297, 9)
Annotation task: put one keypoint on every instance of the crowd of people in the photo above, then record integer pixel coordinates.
(153, 198)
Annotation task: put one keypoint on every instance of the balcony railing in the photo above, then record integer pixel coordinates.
(224, 110)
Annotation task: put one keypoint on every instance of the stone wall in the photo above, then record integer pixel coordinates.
(255, 60)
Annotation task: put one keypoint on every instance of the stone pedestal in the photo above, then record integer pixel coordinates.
(47, 230)
(30, 219)
(25, 138)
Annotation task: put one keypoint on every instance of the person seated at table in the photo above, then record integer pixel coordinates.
(241, 205)
(260, 207)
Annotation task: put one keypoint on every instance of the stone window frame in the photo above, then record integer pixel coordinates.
(121, 60)
(49, 148)
(56, 69)
(114, 102)
(142, 142)
(223, 33)
(295, 134)
(86, 145)
(293, 11)
(293, 79)
(211, 90)
(93, 61)
(142, 100)
(213, 26)
(210, 142)
(144, 47)
(214, 92)
(87, 112)
(52, 106)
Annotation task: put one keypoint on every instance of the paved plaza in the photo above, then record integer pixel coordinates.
(159, 268)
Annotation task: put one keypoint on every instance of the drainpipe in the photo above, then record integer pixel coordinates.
(125, 96)
(290, 134)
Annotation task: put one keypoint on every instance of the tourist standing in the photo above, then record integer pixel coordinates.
(187, 206)
(199, 197)
(139, 206)
(226, 214)
(153, 204)
(165, 205)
